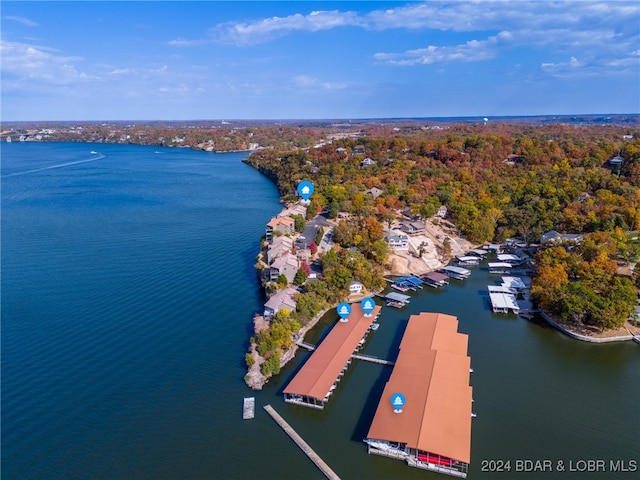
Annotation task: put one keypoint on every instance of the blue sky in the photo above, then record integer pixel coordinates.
(280, 60)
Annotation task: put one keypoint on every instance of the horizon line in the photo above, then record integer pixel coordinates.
(340, 119)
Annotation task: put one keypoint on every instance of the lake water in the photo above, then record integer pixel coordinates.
(127, 295)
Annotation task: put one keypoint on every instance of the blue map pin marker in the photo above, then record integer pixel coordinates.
(367, 305)
(397, 402)
(344, 310)
(305, 189)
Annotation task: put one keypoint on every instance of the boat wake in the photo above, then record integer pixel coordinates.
(51, 167)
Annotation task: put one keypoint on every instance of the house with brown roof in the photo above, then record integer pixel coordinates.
(281, 225)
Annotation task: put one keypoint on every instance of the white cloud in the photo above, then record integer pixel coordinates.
(121, 71)
(569, 68)
(471, 51)
(181, 42)
(459, 16)
(24, 64)
(305, 81)
(22, 20)
(265, 29)
(600, 32)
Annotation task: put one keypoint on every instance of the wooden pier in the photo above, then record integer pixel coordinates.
(371, 358)
(359, 356)
(304, 446)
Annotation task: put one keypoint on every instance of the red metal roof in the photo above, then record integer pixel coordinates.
(321, 370)
(432, 372)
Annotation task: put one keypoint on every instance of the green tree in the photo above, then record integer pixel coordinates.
(380, 251)
(249, 360)
(271, 365)
(309, 304)
(282, 280)
(312, 209)
(300, 277)
(358, 202)
(334, 208)
(299, 223)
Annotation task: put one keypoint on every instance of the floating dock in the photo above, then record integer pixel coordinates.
(499, 267)
(468, 260)
(399, 300)
(304, 446)
(456, 272)
(503, 300)
(435, 279)
(248, 408)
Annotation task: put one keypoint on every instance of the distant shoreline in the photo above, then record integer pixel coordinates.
(596, 118)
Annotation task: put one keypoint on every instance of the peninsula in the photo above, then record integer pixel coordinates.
(408, 201)
(408, 195)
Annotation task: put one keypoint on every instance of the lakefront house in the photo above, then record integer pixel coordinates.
(279, 225)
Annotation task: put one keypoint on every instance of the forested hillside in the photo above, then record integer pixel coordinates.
(499, 182)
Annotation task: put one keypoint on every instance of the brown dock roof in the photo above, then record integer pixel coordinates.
(436, 276)
(321, 370)
(432, 372)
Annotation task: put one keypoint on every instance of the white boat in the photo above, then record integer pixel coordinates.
(93, 152)
(375, 326)
(380, 445)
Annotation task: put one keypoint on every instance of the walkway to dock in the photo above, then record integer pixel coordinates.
(371, 358)
(306, 345)
(304, 446)
(359, 356)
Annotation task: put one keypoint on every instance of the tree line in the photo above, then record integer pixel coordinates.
(508, 181)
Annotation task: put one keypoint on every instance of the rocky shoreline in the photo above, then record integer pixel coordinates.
(618, 335)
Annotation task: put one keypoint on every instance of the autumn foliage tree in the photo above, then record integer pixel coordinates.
(581, 286)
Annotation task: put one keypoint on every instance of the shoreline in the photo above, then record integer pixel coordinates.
(256, 380)
(588, 338)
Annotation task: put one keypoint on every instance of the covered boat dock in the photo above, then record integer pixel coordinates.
(510, 258)
(397, 300)
(435, 279)
(503, 300)
(515, 283)
(319, 376)
(432, 430)
(456, 272)
(499, 267)
(468, 260)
